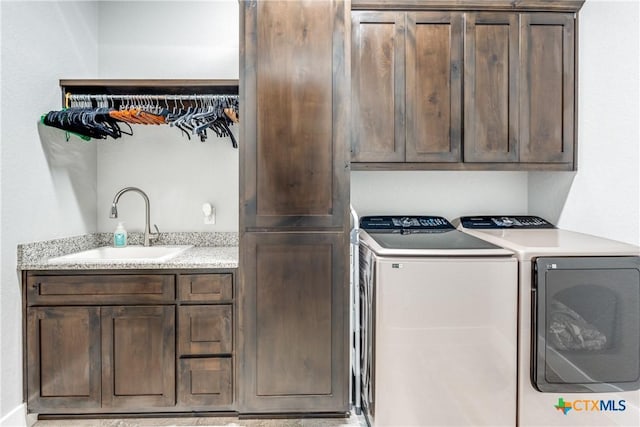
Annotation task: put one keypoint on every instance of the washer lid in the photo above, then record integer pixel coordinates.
(443, 243)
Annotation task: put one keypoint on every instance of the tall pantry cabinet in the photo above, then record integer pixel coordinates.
(294, 219)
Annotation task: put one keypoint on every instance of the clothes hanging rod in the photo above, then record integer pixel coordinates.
(148, 87)
(71, 98)
(169, 97)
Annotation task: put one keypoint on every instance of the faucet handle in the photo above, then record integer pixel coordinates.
(156, 234)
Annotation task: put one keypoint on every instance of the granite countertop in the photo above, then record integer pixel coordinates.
(210, 250)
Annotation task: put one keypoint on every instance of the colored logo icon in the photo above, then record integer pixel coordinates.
(563, 406)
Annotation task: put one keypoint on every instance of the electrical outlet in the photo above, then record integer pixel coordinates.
(210, 219)
(209, 213)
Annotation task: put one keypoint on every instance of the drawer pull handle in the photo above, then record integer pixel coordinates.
(36, 286)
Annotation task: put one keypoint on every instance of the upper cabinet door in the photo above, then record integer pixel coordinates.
(547, 72)
(491, 87)
(377, 88)
(434, 86)
(294, 96)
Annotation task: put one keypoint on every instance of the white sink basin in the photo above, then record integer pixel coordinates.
(138, 254)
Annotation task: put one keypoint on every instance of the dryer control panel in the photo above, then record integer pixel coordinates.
(497, 222)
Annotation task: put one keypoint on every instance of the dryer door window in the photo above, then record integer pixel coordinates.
(586, 321)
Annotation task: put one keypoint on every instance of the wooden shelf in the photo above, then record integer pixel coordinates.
(148, 87)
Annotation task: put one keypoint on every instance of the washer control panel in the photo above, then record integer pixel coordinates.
(399, 223)
(497, 222)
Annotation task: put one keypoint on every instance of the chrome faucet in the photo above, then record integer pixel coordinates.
(148, 235)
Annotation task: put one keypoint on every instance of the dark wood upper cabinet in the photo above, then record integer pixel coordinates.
(406, 86)
(294, 100)
(434, 86)
(486, 85)
(377, 86)
(491, 87)
(547, 89)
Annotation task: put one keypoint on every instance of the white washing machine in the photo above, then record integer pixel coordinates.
(579, 322)
(438, 325)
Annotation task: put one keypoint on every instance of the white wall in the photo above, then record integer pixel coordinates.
(169, 39)
(448, 194)
(603, 196)
(48, 184)
(196, 40)
(3, 413)
(178, 176)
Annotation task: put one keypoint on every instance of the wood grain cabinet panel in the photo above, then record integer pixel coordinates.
(205, 287)
(205, 382)
(296, 110)
(138, 364)
(481, 90)
(293, 86)
(106, 358)
(491, 87)
(205, 329)
(406, 86)
(547, 90)
(294, 206)
(377, 86)
(100, 289)
(63, 355)
(434, 86)
(295, 351)
(293, 314)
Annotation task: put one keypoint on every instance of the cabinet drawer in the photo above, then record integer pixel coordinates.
(205, 329)
(205, 382)
(206, 287)
(100, 289)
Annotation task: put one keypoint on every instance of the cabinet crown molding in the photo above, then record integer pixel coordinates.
(493, 5)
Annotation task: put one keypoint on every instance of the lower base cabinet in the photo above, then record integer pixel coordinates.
(138, 357)
(101, 357)
(205, 382)
(295, 318)
(97, 354)
(63, 359)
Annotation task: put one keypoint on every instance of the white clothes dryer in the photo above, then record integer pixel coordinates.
(579, 322)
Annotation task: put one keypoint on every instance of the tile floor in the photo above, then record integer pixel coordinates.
(353, 421)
